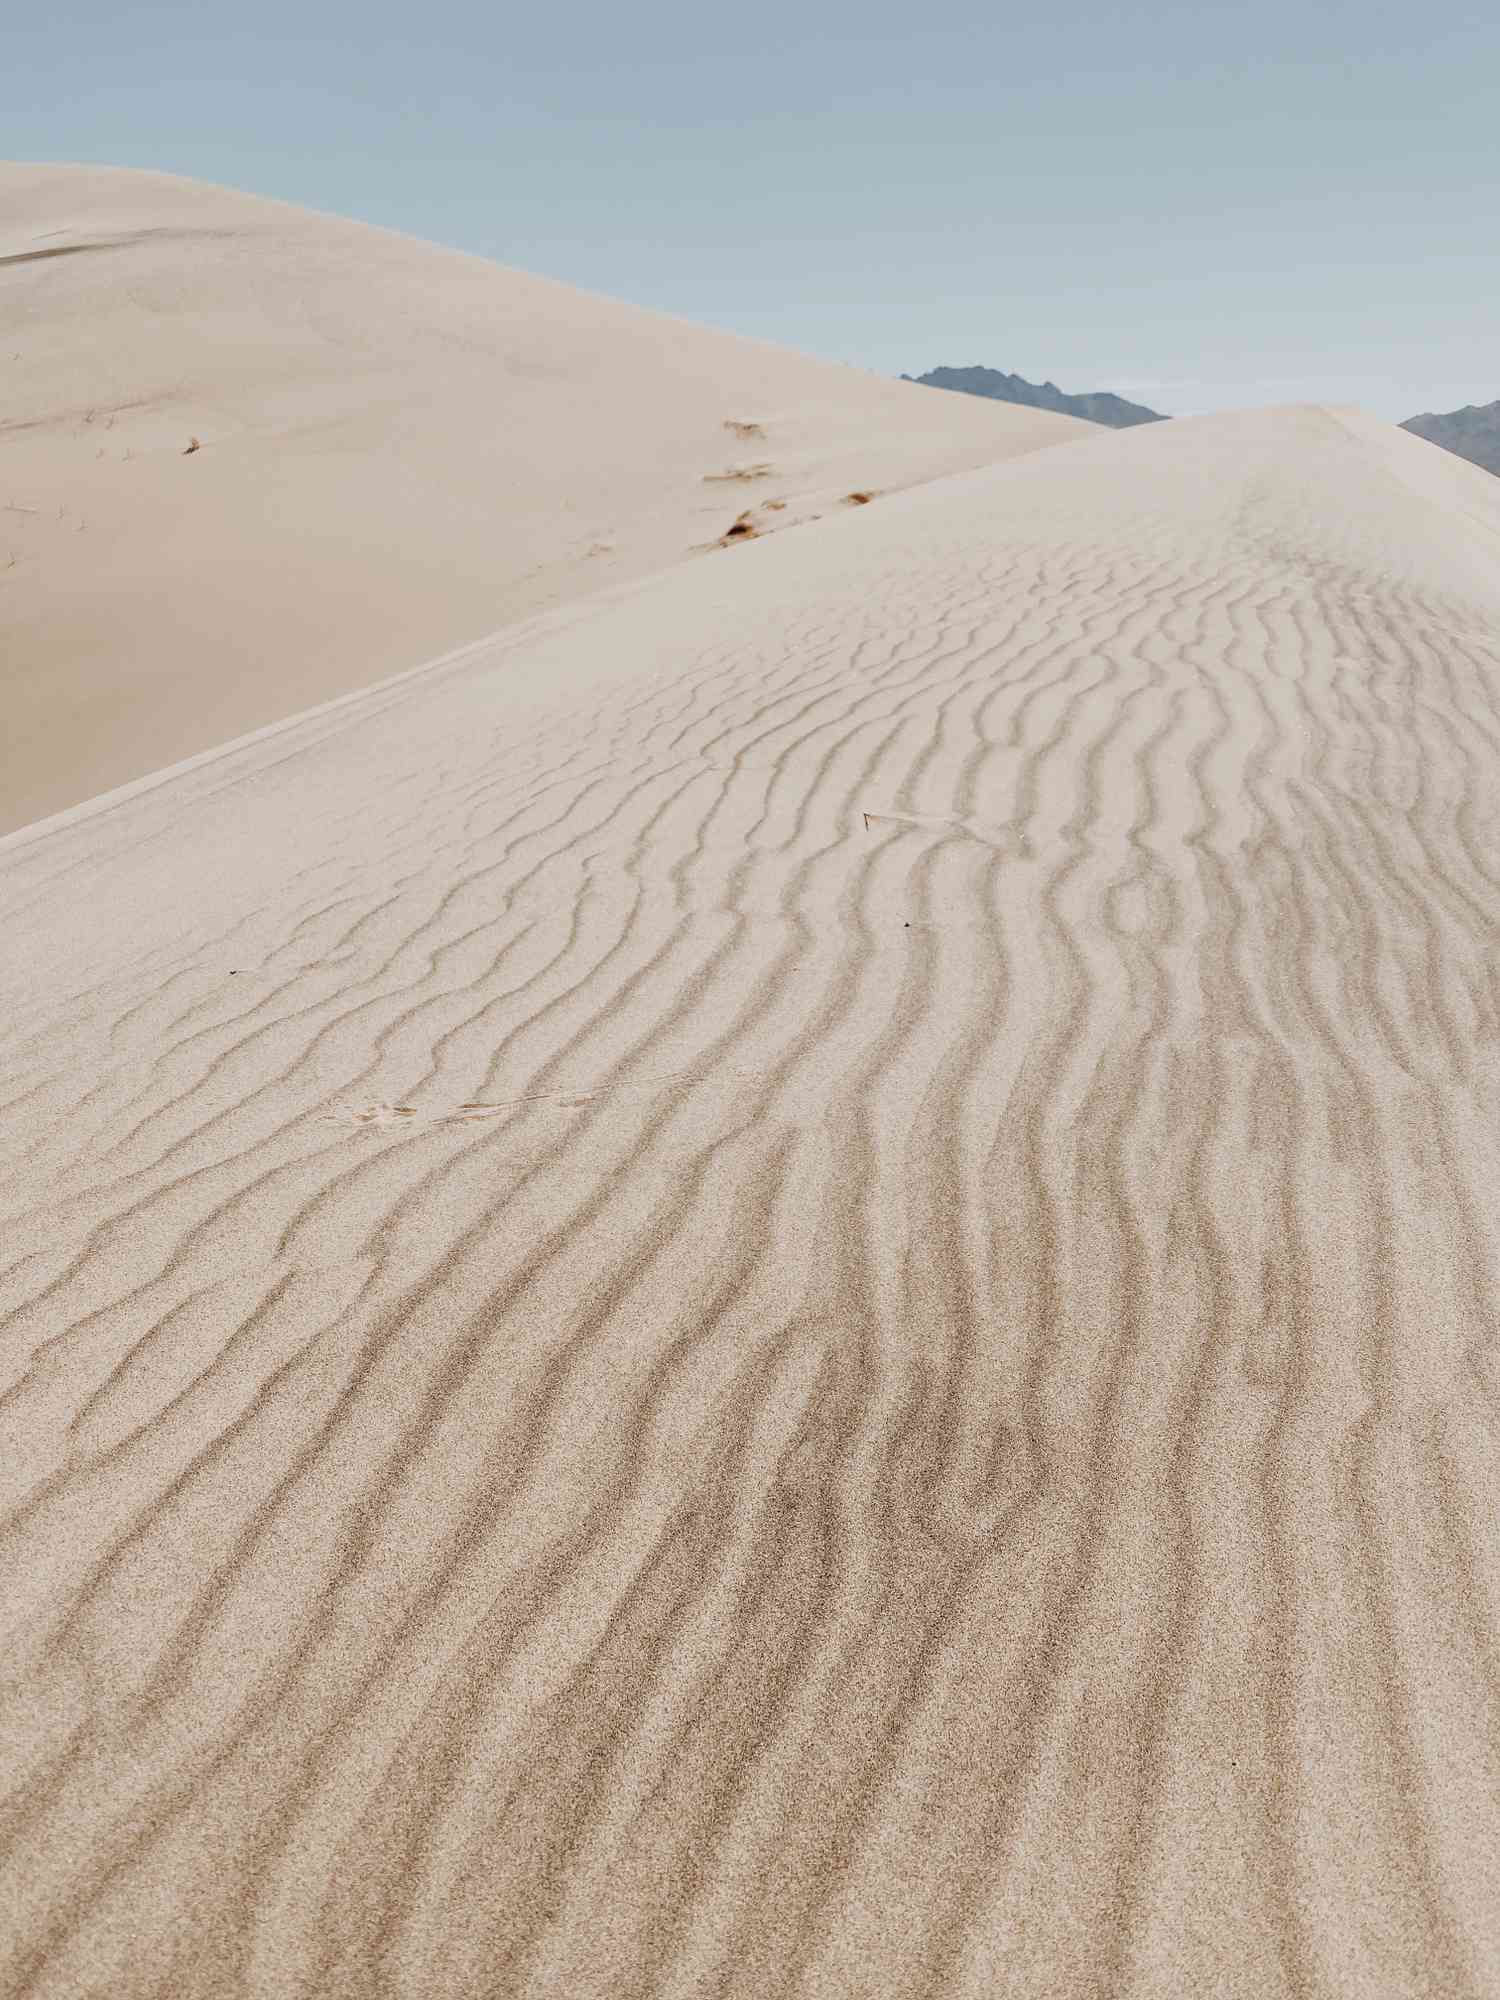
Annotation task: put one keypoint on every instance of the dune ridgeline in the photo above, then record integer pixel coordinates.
(256, 458)
(786, 1284)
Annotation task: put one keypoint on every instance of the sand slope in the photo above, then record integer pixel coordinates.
(403, 448)
(791, 1289)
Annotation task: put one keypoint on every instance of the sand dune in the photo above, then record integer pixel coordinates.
(789, 1288)
(402, 449)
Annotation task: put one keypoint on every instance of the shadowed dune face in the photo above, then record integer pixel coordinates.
(791, 1290)
(400, 450)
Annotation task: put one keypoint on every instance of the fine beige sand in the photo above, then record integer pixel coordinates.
(789, 1287)
(401, 449)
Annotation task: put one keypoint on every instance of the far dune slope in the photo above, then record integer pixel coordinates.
(403, 448)
(790, 1290)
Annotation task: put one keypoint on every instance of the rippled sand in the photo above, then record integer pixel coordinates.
(789, 1287)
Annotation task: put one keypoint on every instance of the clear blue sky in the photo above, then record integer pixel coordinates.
(1197, 205)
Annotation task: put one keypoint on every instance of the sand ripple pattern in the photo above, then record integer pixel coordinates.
(813, 1316)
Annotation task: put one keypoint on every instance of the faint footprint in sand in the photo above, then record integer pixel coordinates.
(457, 1114)
(474, 1111)
(1005, 836)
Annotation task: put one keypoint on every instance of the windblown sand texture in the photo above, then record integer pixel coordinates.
(788, 1288)
(400, 449)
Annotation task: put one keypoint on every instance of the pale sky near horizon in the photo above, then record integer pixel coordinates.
(1194, 205)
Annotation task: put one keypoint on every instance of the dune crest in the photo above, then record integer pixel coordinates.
(790, 1288)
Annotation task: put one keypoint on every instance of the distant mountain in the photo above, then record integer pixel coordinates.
(1472, 433)
(1098, 408)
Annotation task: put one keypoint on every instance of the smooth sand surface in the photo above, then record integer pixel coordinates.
(402, 449)
(790, 1287)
